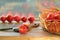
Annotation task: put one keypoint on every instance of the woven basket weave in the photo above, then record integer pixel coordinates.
(50, 26)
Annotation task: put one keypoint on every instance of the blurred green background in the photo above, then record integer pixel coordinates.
(25, 6)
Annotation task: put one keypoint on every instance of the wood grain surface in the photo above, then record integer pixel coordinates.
(28, 38)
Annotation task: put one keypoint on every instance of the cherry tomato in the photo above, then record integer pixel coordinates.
(23, 29)
(31, 19)
(50, 17)
(17, 18)
(9, 18)
(24, 19)
(3, 19)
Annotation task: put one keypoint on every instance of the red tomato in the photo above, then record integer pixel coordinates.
(50, 16)
(23, 29)
(57, 16)
(3, 19)
(31, 19)
(9, 18)
(17, 18)
(24, 19)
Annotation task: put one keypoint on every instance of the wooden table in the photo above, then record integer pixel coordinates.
(28, 38)
(34, 34)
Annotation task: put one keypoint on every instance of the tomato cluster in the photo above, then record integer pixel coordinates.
(16, 18)
(53, 16)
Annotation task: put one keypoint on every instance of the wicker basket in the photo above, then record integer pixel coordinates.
(50, 26)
